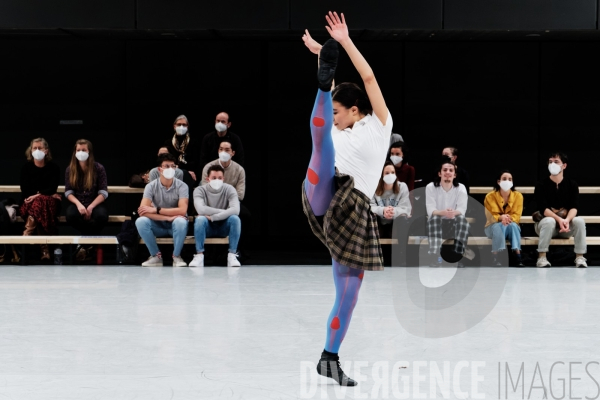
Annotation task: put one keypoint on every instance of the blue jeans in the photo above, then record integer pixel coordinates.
(149, 230)
(204, 228)
(499, 233)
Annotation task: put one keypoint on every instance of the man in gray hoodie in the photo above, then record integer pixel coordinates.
(218, 207)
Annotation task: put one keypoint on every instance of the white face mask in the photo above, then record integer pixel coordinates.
(216, 184)
(224, 156)
(38, 155)
(181, 130)
(554, 168)
(220, 127)
(82, 155)
(396, 159)
(389, 178)
(168, 173)
(506, 185)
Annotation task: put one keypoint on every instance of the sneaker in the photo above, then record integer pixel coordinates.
(542, 262)
(198, 260)
(580, 262)
(436, 261)
(232, 260)
(329, 366)
(468, 254)
(328, 58)
(153, 261)
(495, 261)
(178, 262)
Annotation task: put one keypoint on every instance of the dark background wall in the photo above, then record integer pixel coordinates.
(505, 81)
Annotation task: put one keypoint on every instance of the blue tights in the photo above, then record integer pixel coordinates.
(320, 188)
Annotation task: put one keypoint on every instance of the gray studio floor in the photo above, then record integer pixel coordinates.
(256, 333)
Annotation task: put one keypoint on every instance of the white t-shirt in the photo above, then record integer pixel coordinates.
(360, 151)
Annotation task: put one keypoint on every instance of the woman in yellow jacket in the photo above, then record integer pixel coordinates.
(504, 206)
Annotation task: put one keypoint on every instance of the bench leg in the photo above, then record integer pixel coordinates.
(23, 251)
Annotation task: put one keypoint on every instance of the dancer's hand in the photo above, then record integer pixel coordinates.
(337, 27)
(311, 43)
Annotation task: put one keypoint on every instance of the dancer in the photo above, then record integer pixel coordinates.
(350, 133)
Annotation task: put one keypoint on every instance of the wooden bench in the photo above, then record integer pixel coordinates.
(475, 241)
(530, 189)
(61, 189)
(87, 240)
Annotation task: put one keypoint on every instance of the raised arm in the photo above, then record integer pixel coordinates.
(339, 31)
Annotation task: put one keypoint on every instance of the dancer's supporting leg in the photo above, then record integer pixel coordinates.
(347, 285)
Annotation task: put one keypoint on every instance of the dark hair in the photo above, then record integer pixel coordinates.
(496, 186)
(227, 141)
(398, 145)
(215, 167)
(438, 179)
(453, 149)
(563, 157)
(165, 157)
(380, 186)
(349, 95)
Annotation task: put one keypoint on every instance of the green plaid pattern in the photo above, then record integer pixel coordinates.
(349, 227)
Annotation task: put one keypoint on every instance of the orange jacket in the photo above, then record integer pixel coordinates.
(494, 207)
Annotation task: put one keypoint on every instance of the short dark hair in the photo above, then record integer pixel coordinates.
(496, 186)
(438, 179)
(349, 95)
(397, 145)
(215, 167)
(165, 157)
(563, 157)
(227, 141)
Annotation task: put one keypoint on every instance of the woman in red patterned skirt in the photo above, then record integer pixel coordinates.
(39, 184)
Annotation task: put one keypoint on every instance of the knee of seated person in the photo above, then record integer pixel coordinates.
(142, 222)
(547, 221)
(201, 221)
(578, 222)
(180, 223)
(235, 220)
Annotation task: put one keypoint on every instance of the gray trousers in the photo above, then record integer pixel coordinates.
(547, 229)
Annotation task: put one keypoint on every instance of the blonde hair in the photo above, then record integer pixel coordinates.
(44, 143)
(76, 172)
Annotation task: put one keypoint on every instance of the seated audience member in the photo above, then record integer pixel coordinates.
(185, 148)
(404, 172)
(391, 202)
(395, 137)
(461, 174)
(218, 207)
(557, 199)
(162, 213)
(39, 184)
(155, 174)
(446, 202)
(503, 209)
(235, 175)
(212, 140)
(86, 187)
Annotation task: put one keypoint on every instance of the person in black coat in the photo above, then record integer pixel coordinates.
(39, 184)
(212, 141)
(185, 148)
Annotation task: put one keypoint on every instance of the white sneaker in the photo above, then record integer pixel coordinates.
(580, 262)
(469, 254)
(178, 262)
(232, 260)
(198, 260)
(542, 262)
(153, 261)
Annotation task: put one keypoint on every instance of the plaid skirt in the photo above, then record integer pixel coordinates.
(349, 228)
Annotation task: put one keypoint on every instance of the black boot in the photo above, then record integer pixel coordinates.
(518, 260)
(328, 58)
(329, 366)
